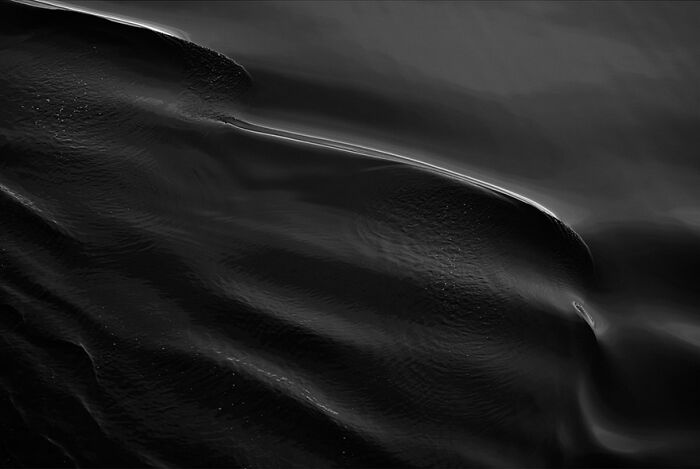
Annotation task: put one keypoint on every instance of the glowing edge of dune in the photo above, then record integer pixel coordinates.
(51, 4)
(289, 136)
(373, 153)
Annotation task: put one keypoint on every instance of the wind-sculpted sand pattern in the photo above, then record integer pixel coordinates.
(180, 286)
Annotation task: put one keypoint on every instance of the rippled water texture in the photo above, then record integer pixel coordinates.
(349, 234)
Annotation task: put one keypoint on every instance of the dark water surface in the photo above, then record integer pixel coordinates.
(335, 250)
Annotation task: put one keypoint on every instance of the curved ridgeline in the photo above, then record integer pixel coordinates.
(177, 290)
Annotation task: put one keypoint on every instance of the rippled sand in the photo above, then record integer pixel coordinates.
(203, 264)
